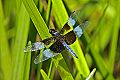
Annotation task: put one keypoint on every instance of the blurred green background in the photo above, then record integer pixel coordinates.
(29, 20)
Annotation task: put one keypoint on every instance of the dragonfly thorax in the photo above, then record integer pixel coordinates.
(54, 32)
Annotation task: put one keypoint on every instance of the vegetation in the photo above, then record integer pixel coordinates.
(23, 21)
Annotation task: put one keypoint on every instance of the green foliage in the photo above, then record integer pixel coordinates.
(97, 48)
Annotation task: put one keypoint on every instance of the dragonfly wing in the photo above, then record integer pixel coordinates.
(71, 21)
(78, 24)
(66, 27)
(70, 37)
(34, 47)
(39, 45)
(78, 30)
(49, 40)
(46, 54)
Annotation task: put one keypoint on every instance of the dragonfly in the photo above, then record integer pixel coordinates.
(59, 40)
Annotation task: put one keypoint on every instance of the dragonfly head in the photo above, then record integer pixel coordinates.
(54, 32)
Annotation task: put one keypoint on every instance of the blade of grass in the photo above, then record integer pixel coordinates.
(18, 5)
(94, 47)
(27, 65)
(9, 5)
(45, 77)
(64, 74)
(48, 12)
(81, 63)
(38, 76)
(38, 22)
(50, 68)
(5, 58)
(22, 24)
(62, 68)
(91, 74)
(96, 56)
(114, 40)
(11, 33)
(40, 6)
(36, 18)
(101, 40)
(59, 15)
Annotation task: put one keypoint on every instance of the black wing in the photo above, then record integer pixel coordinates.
(70, 37)
(57, 47)
(66, 27)
(49, 40)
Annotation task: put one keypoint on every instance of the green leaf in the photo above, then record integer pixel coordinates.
(22, 25)
(59, 15)
(91, 74)
(27, 65)
(64, 74)
(114, 40)
(48, 12)
(36, 18)
(50, 68)
(5, 57)
(45, 77)
(9, 6)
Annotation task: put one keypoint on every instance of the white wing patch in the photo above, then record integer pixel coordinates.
(71, 21)
(46, 54)
(78, 31)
